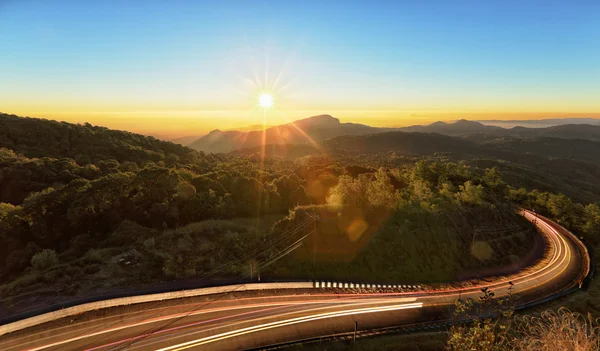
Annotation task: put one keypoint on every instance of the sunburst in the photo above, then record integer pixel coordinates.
(265, 100)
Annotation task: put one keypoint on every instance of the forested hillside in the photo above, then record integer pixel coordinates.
(540, 163)
(85, 144)
(105, 210)
(434, 222)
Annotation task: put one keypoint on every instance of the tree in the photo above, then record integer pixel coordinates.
(421, 191)
(493, 179)
(470, 193)
(561, 208)
(5, 209)
(591, 224)
(422, 170)
(381, 192)
(350, 191)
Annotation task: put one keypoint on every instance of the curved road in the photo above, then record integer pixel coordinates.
(239, 321)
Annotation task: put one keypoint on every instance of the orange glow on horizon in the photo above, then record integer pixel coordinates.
(174, 123)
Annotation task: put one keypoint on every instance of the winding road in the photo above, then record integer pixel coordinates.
(249, 320)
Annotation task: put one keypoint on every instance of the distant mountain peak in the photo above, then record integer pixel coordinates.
(438, 123)
(318, 120)
(458, 123)
(467, 122)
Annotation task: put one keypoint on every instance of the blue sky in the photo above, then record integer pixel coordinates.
(385, 61)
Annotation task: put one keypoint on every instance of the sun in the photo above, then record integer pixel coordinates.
(265, 100)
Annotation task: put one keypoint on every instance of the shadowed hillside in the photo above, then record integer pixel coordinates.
(318, 129)
(460, 127)
(36, 137)
(305, 131)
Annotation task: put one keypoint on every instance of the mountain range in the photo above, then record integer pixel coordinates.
(539, 123)
(315, 130)
(306, 131)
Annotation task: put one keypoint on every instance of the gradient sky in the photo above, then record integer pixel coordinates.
(186, 67)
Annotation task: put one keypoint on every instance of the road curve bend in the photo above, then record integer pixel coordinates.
(247, 321)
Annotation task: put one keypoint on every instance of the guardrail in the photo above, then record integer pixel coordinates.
(590, 275)
(123, 301)
(345, 285)
(78, 308)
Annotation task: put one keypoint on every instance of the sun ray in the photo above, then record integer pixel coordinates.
(278, 77)
(302, 132)
(267, 87)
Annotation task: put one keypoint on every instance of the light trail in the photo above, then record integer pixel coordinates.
(277, 324)
(254, 321)
(163, 318)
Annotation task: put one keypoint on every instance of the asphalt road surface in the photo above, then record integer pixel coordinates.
(238, 321)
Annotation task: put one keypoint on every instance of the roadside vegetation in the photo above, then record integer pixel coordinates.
(549, 331)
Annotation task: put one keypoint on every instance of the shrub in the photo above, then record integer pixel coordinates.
(24, 281)
(44, 259)
(551, 331)
(558, 331)
(92, 269)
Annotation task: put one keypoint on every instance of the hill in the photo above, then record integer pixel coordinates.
(549, 148)
(305, 131)
(403, 143)
(566, 131)
(540, 163)
(189, 139)
(540, 123)
(185, 140)
(85, 144)
(514, 149)
(478, 131)
(406, 143)
(317, 129)
(279, 151)
(458, 128)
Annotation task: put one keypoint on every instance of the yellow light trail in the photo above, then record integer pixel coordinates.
(291, 321)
